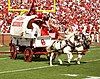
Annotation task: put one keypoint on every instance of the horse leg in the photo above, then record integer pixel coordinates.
(51, 57)
(79, 58)
(60, 61)
(70, 56)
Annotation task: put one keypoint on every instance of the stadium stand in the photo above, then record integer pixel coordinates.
(79, 14)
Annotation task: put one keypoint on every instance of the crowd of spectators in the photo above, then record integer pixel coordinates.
(84, 12)
(76, 13)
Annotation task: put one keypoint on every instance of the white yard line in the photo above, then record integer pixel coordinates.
(72, 75)
(92, 77)
(20, 70)
(3, 58)
(94, 49)
(93, 60)
(42, 67)
(92, 46)
(87, 77)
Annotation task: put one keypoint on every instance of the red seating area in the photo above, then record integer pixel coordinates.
(75, 13)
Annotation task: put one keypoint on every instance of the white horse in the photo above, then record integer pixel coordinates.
(68, 46)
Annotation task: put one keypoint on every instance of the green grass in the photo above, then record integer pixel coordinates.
(88, 67)
(4, 48)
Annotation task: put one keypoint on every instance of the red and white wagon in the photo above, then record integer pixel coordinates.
(26, 38)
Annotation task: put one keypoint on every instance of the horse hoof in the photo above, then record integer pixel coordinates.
(68, 61)
(61, 63)
(51, 65)
(78, 62)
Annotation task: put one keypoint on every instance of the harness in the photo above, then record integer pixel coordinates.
(85, 46)
(69, 43)
(61, 48)
(64, 45)
(76, 44)
(52, 46)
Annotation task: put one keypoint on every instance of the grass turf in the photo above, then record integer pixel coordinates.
(4, 48)
(18, 69)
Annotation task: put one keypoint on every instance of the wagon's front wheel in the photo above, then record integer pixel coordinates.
(28, 54)
(13, 52)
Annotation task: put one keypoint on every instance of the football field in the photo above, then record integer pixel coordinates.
(40, 69)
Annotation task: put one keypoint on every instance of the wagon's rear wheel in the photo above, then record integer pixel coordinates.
(13, 51)
(28, 54)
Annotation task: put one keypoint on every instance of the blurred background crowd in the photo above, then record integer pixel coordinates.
(78, 14)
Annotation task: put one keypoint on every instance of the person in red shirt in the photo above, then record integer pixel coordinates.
(40, 15)
(32, 10)
(97, 33)
(54, 30)
(44, 30)
(1, 21)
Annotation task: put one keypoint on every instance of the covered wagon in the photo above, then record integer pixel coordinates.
(26, 38)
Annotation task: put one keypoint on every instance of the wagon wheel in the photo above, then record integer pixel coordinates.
(13, 52)
(28, 54)
(37, 56)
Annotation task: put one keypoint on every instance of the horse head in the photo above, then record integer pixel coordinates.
(86, 41)
(77, 37)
